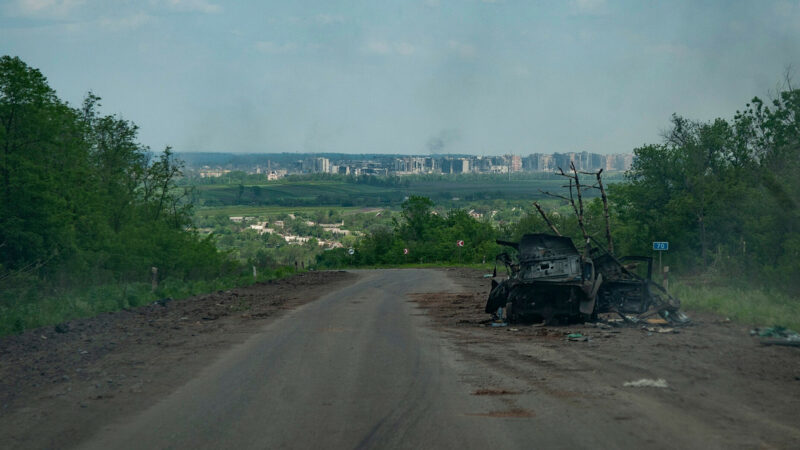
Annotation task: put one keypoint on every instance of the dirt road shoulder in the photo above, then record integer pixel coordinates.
(722, 389)
(60, 384)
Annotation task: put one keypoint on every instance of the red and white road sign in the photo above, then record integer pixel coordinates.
(405, 251)
(460, 243)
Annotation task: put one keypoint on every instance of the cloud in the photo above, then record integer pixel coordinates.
(275, 48)
(670, 49)
(70, 16)
(125, 23)
(588, 7)
(328, 19)
(316, 19)
(379, 47)
(390, 48)
(521, 71)
(788, 14)
(461, 49)
(404, 48)
(202, 6)
(43, 8)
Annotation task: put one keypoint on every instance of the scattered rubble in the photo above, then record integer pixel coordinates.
(777, 336)
(646, 382)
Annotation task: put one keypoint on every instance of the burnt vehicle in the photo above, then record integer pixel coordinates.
(551, 281)
(624, 291)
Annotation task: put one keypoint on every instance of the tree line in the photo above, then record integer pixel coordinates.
(81, 200)
(723, 192)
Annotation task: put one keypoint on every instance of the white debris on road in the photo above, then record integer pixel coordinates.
(646, 382)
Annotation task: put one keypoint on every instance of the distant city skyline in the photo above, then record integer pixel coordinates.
(406, 76)
(276, 166)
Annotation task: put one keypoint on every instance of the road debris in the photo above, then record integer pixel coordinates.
(656, 321)
(494, 392)
(647, 382)
(577, 337)
(510, 413)
(777, 335)
(661, 330)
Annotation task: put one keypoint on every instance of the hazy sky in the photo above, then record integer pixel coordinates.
(459, 76)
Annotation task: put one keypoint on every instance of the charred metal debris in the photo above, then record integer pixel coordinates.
(550, 281)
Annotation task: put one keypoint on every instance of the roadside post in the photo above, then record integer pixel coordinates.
(665, 282)
(660, 247)
(154, 281)
(459, 244)
(405, 255)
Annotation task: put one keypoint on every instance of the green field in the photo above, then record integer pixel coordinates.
(340, 193)
(306, 193)
(487, 190)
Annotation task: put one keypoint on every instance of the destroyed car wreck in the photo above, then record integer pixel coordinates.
(550, 281)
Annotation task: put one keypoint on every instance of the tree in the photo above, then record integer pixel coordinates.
(417, 214)
(42, 168)
(80, 195)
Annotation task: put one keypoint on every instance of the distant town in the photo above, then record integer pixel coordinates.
(278, 165)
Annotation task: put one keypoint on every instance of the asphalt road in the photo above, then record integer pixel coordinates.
(366, 367)
(358, 368)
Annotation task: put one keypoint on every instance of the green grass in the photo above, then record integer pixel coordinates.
(527, 189)
(755, 307)
(25, 308)
(302, 193)
(314, 193)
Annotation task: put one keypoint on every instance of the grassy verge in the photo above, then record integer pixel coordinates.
(750, 306)
(25, 308)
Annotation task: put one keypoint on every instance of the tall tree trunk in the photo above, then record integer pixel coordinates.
(605, 212)
(579, 209)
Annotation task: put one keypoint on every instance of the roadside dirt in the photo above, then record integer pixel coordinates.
(724, 389)
(59, 384)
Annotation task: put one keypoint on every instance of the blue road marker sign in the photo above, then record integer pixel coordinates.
(661, 246)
